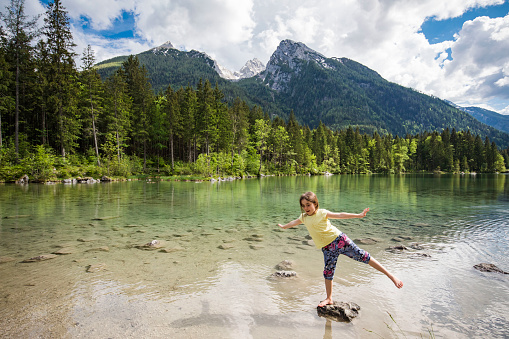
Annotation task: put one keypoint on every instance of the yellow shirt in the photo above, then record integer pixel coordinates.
(320, 228)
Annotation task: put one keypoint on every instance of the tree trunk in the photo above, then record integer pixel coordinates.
(93, 128)
(171, 151)
(16, 122)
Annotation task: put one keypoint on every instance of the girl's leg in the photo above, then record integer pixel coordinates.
(328, 290)
(375, 264)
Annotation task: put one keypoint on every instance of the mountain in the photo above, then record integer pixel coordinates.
(338, 92)
(490, 118)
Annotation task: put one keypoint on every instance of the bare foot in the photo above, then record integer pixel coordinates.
(325, 302)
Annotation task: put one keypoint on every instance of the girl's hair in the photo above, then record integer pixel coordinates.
(309, 196)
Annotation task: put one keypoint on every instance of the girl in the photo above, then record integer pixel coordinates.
(332, 241)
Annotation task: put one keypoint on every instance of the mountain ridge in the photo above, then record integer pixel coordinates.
(338, 92)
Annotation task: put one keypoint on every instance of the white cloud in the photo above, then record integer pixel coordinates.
(381, 34)
(100, 12)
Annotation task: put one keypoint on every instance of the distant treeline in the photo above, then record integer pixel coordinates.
(56, 121)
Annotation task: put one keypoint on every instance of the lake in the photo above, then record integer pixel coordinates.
(219, 244)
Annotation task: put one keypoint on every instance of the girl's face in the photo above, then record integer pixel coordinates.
(308, 207)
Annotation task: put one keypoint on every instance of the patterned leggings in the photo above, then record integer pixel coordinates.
(342, 245)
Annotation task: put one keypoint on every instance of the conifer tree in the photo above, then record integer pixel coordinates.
(118, 104)
(239, 123)
(173, 117)
(92, 92)
(61, 76)
(206, 117)
(20, 31)
(140, 90)
(6, 100)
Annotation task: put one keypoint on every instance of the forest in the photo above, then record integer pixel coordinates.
(58, 122)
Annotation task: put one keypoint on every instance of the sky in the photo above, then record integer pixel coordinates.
(457, 50)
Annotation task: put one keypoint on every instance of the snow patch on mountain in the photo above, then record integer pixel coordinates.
(250, 69)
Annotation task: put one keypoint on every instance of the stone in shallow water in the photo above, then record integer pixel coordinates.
(153, 245)
(96, 268)
(339, 311)
(285, 265)
(64, 251)
(6, 259)
(41, 257)
(284, 274)
(366, 241)
(484, 267)
(172, 249)
(397, 248)
(99, 249)
(225, 246)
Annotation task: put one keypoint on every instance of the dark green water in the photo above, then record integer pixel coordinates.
(223, 244)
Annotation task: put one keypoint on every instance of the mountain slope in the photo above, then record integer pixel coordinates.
(490, 118)
(336, 91)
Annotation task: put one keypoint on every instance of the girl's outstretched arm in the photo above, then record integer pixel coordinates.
(343, 215)
(291, 223)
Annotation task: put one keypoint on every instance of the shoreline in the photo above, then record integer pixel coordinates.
(194, 178)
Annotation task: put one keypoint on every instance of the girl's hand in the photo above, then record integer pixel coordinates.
(363, 214)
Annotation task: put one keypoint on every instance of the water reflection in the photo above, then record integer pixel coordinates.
(199, 287)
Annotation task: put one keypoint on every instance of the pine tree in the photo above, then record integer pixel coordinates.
(206, 116)
(188, 110)
(174, 122)
(61, 76)
(93, 94)
(140, 90)
(262, 133)
(20, 32)
(6, 100)
(117, 114)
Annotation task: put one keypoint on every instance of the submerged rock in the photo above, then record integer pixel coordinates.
(96, 268)
(483, 267)
(153, 245)
(64, 251)
(285, 265)
(107, 217)
(397, 248)
(6, 259)
(339, 311)
(99, 249)
(366, 241)
(41, 257)
(16, 216)
(225, 246)
(172, 249)
(284, 274)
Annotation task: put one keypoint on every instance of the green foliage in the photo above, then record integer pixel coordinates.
(200, 124)
(40, 164)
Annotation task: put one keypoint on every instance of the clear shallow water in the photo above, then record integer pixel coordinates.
(199, 290)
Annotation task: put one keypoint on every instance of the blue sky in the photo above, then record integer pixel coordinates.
(456, 50)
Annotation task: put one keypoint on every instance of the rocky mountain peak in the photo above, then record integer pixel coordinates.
(251, 68)
(288, 60)
(166, 45)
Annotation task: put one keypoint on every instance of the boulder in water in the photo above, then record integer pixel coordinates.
(366, 241)
(339, 311)
(483, 267)
(285, 265)
(284, 274)
(153, 245)
(41, 257)
(94, 268)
